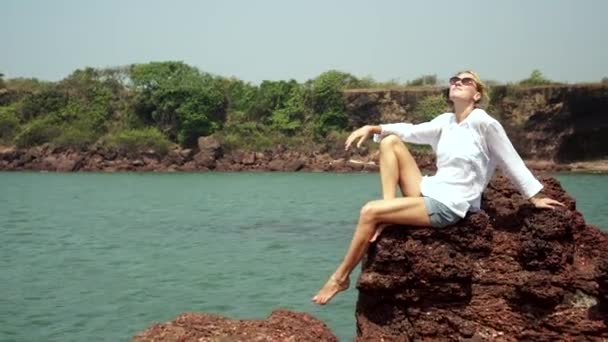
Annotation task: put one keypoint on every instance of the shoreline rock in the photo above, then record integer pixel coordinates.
(213, 158)
(210, 156)
(281, 325)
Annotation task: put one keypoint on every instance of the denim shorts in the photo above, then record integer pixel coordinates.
(439, 214)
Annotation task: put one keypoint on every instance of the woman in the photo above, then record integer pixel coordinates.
(469, 145)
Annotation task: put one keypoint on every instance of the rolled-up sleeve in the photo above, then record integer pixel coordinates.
(510, 162)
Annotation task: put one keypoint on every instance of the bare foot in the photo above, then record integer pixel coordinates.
(330, 289)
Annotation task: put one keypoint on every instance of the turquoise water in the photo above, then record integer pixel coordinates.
(99, 257)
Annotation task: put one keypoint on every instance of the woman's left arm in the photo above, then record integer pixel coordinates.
(513, 166)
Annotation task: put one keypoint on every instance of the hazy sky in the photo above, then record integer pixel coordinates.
(281, 39)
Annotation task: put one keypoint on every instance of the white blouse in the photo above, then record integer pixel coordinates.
(467, 156)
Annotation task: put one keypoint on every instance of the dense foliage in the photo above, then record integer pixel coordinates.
(154, 105)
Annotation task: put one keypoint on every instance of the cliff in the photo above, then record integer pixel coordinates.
(558, 123)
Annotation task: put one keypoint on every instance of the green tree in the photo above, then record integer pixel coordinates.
(536, 78)
(239, 95)
(424, 80)
(38, 131)
(134, 141)
(9, 124)
(46, 102)
(328, 101)
(271, 96)
(26, 85)
(429, 107)
(178, 99)
(290, 118)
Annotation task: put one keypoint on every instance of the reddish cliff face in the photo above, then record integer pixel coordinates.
(560, 123)
(508, 273)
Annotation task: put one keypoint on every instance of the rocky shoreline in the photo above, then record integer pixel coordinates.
(210, 156)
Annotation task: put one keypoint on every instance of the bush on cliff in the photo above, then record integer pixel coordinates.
(46, 102)
(430, 107)
(77, 136)
(424, 80)
(9, 124)
(37, 132)
(536, 79)
(135, 141)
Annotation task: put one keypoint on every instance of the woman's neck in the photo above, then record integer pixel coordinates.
(463, 110)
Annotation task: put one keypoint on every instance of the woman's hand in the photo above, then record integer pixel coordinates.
(361, 134)
(545, 203)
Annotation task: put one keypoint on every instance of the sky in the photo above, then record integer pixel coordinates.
(257, 40)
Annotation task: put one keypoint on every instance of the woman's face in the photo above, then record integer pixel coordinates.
(463, 88)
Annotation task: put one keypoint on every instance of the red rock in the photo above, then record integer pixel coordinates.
(204, 159)
(260, 156)
(186, 153)
(189, 166)
(281, 325)
(207, 142)
(69, 162)
(510, 273)
(8, 153)
(295, 165)
(276, 165)
(249, 158)
(355, 165)
(371, 167)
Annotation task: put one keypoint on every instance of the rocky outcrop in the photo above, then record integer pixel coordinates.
(281, 325)
(508, 273)
(561, 123)
(210, 150)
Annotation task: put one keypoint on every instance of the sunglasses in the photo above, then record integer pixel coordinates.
(468, 81)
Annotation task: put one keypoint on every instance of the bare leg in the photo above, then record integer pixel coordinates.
(405, 210)
(397, 166)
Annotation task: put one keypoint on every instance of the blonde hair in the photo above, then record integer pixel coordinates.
(481, 88)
